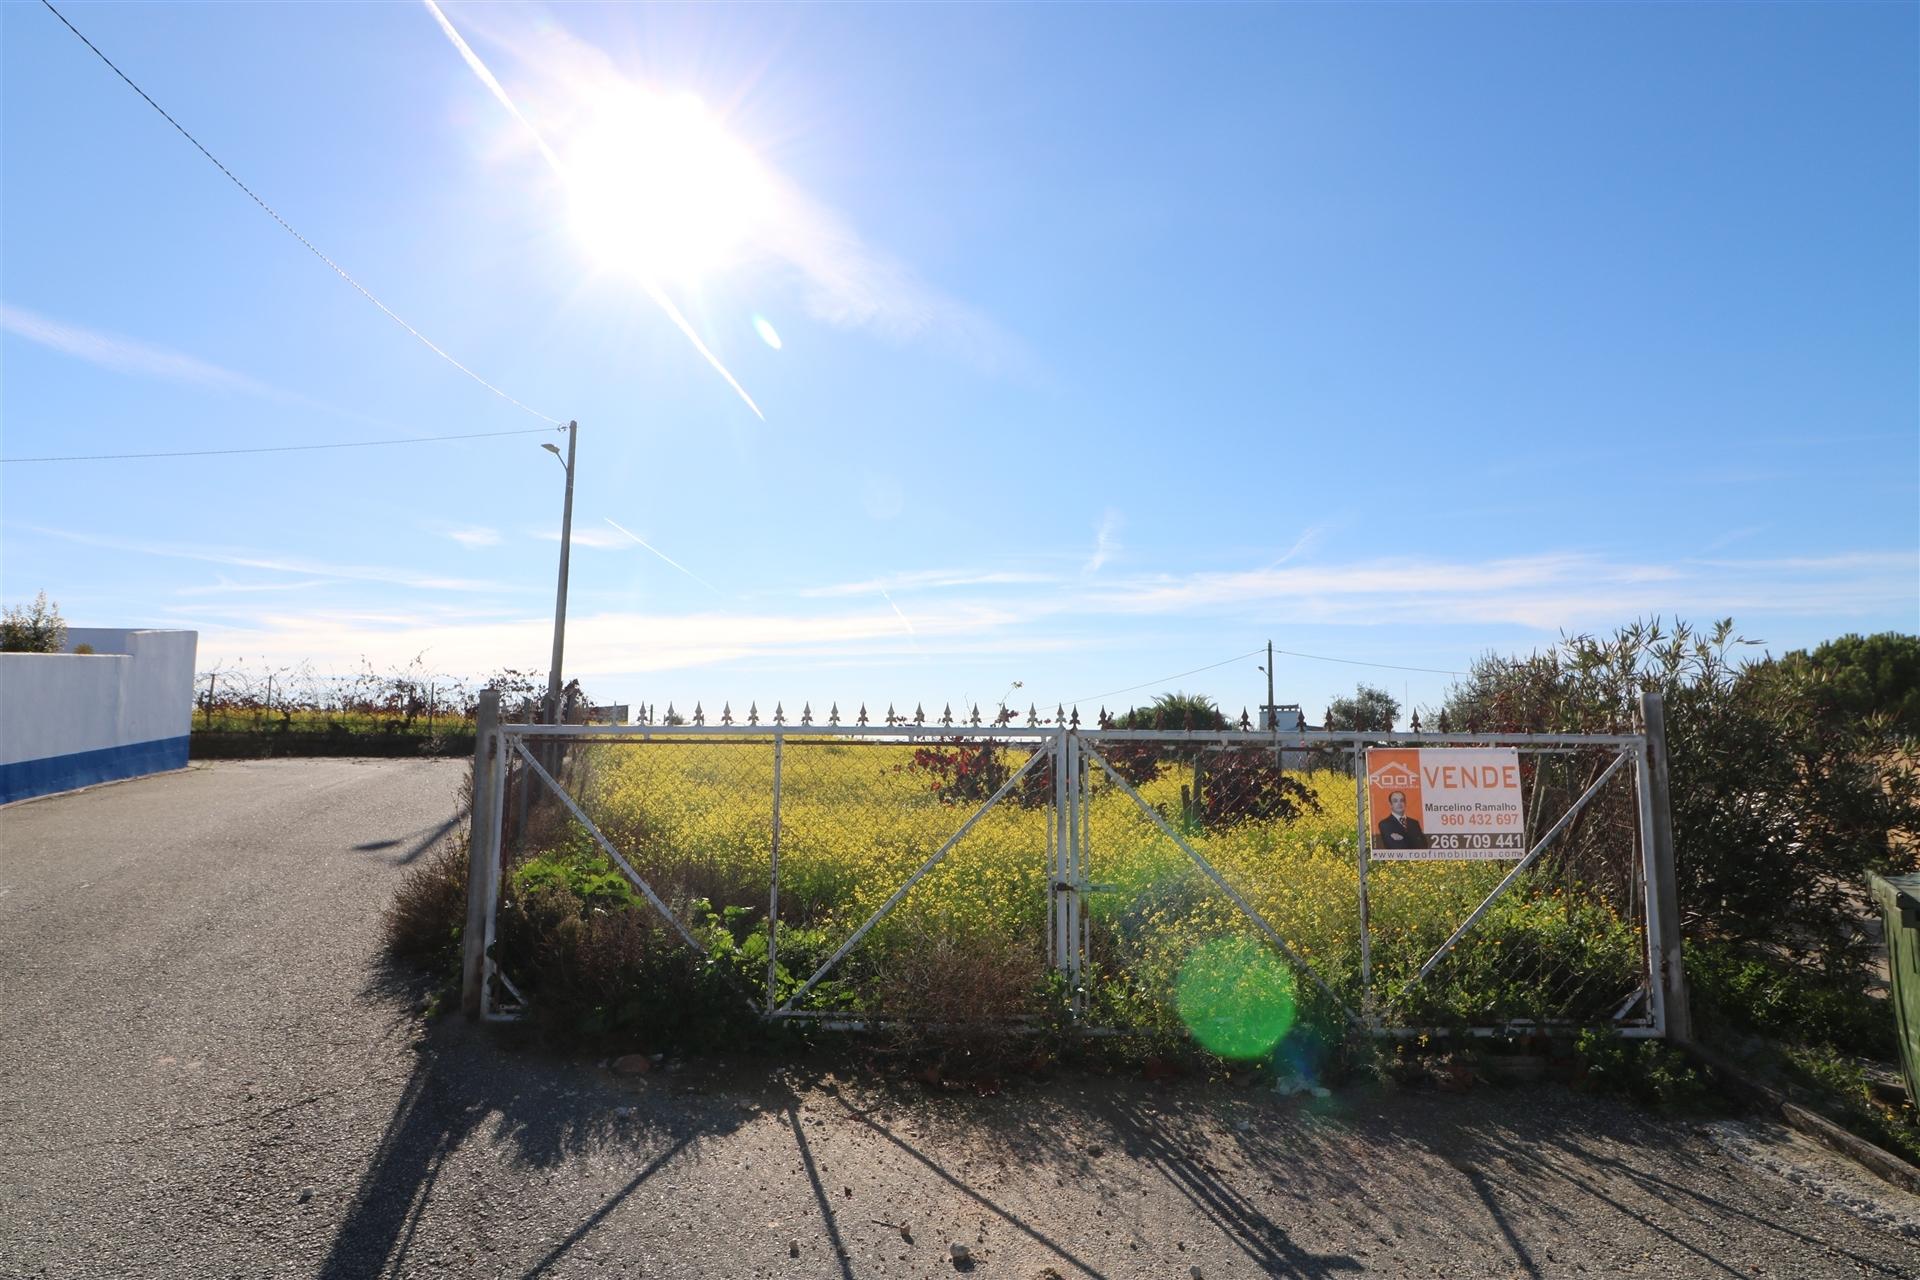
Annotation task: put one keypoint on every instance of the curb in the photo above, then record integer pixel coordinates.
(1876, 1160)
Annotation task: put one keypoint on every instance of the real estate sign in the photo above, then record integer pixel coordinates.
(1432, 803)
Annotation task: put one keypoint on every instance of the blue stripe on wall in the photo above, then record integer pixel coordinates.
(25, 778)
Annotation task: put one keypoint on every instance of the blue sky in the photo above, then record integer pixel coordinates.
(1114, 342)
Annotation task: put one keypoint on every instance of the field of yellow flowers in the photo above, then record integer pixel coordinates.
(857, 819)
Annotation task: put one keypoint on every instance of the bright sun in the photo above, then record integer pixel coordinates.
(659, 189)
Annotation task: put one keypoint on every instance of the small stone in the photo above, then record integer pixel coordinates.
(1195, 1272)
(906, 1232)
(632, 1064)
(960, 1254)
(793, 1248)
(306, 1194)
(623, 1113)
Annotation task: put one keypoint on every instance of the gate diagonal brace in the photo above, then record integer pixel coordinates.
(613, 853)
(1246, 908)
(900, 894)
(1540, 847)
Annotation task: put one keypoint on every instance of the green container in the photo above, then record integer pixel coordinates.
(1899, 899)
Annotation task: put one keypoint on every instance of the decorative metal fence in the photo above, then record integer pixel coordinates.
(953, 872)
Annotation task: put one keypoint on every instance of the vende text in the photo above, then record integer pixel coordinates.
(1453, 777)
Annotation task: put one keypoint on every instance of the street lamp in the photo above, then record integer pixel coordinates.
(560, 597)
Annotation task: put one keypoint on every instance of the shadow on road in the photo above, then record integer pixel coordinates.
(1518, 1176)
(465, 1086)
(423, 840)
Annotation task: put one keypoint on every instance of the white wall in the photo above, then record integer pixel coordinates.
(69, 719)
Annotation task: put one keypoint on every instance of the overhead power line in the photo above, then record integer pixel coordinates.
(1238, 657)
(1254, 653)
(338, 270)
(1355, 662)
(280, 448)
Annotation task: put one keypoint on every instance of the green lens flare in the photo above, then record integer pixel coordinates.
(1236, 998)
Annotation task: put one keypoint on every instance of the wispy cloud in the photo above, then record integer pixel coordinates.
(125, 355)
(271, 562)
(1547, 592)
(227, 586)
(977, 614)
(612, 642)
(929, 580)
(1106, 542)
(475, 538)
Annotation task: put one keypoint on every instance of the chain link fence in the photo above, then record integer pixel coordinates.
(1141, 881)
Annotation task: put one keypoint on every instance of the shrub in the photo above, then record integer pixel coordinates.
(1737, 989)
(620, 974)
(1246, 784)
(428, 913)
(33, 628)
(966, 1001)
(970, 771)
(1173, 711)
(1778, 811)
(1646, 1070)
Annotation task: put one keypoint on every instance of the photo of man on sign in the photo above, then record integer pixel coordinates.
(1397, 830)
(1393, 796)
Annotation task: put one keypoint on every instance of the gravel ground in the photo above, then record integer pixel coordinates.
(205, 1072)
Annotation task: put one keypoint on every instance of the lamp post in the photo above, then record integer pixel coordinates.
(560, 597)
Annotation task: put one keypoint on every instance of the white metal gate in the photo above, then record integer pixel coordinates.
(1056, 832)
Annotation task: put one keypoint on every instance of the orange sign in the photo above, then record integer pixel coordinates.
(1445, 802)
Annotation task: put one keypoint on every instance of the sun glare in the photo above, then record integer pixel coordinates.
(659, 188)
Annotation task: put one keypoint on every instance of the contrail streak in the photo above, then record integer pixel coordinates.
(896, 610)
(664, 556)
(653, 290)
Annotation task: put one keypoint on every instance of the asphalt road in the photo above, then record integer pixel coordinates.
(204, 1071)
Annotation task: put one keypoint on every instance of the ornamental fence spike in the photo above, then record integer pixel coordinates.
(1033, 716)
(726, 713)
(919, 716)
(1105, 721)
(779, 716)
(1059, 713)
(946, 715)
(974, 719)
(753, 713)
(806, 712)
(892, 719)
(699, 716)
(1416, 722)
(833, 715)
(863, 716)
(1245, 723)
(1075, 723)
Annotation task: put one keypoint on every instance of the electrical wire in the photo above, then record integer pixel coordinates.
(288, 228)
(1239, 657)
(280, 448)
(1355, 662)
(1291, 653)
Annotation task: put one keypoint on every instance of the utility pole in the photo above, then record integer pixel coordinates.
(560, 597)
(1270, 711)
